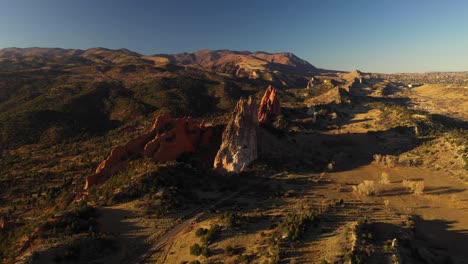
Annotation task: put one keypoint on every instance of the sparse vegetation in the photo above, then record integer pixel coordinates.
(368, 188)
(211, 234)
(201, 232)
(416, 187)
(195, 249)
(386, 160)
(384, 178)
(231, 219)
(57, 126)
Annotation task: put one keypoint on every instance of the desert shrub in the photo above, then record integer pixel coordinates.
(384, 178)
(386, 160)
(205, 251)
(230, 250)
(368, 188)
(195, 249)
(416, 187)
(201, 232)
(386, 203)
(211, 234)
(280, 123)
(231, 218)
(295, 225)
(406, 160)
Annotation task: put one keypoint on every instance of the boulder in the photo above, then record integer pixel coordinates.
(167, 140)
(239, 140)
(269, 106)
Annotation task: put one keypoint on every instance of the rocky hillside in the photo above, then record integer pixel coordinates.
(54, 94)
(302, 157)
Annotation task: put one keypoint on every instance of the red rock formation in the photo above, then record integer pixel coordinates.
(115, 162)
(239, 141)
(269, 106)
(167, 139)
(182, 138)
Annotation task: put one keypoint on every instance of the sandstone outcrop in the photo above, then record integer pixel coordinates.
(269, 106)
(167, 139)
(184, 137)
(239, 140)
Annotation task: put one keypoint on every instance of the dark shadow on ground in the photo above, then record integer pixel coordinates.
(313, 151)
(116, 241)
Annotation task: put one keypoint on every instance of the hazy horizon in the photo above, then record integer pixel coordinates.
(386, 37)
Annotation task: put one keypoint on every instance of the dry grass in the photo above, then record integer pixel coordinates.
(368, 188)
(385, 178)
(416, 187)
(386, 160)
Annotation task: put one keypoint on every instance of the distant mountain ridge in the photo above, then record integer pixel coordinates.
(204, 58)
(217, 58)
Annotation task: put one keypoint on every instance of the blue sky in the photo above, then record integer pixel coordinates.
(375, 36)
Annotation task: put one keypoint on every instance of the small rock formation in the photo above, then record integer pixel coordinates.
(312, 82)
(239, 141)
(269, 106)
(167, 139)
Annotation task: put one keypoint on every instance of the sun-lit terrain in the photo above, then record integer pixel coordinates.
(333, 167)
(233, 132)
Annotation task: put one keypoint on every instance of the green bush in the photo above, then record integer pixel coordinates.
(205, 251)
(231, 218)
(201, 232)
(296, 224)
(211, 234)
(195, 249)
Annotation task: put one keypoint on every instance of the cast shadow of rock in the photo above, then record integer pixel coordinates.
(117, 240)
(441, 239)
(312, 152)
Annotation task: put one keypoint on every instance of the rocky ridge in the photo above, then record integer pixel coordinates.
(167, 139)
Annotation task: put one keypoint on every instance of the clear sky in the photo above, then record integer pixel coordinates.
(370, 35)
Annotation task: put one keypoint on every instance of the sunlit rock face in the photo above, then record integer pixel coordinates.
(167, 140)
(239, 140)
(269, 106)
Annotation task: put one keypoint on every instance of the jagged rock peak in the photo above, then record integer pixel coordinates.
(269, 106)
(239, 140)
